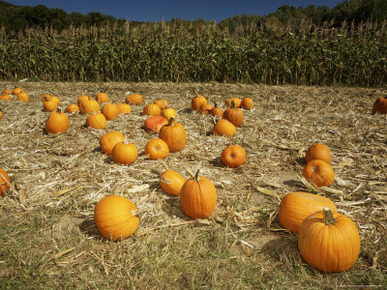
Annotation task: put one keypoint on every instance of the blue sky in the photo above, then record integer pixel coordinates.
(156, 10)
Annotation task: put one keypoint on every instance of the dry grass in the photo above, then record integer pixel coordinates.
(48, 238)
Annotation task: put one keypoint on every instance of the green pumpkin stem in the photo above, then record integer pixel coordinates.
(171, 121)
(328, 218)
(232, 104)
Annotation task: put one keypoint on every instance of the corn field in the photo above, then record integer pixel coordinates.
(266, 54)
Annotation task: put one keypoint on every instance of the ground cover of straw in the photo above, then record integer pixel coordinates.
(48, 238)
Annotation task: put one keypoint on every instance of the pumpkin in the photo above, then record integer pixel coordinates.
(380, 105)
(102, 98)
(1, 113)
(233, 156)
(234, 115)
(57, 122)
(151, 110)
(114, 218)
(174, 135)
(319, 172)
(135, 99)
(205, 108)
(108, 140)
(23, 97)
(83, 98)
(17, 91)
(124, 108)
(296, 206)
(247, 103)
(110, 111)
(156, 149)
(318, 151)
(6, 92)
(89, 106)
(197, 102)
(5, 182)
(54, 99)
(96, 120)
(45, 97)
(329, 241)
(217, 111)
(162, 103)
(124, 153)
(72, 108)
(5, 97)
(154, 124)
(198, 197)
(49, 106)
(168, 113)
(171, 182)
(237, 102)
(224, 128)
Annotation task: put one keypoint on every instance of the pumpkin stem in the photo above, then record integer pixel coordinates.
(197, 177)
(232, 104)
(328, 218)
(171, 121)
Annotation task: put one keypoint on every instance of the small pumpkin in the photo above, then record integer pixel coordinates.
(6, 92)
(23, 97)
(247, 103)
(380, 106)
(329, 241)
(156, 149)
(237, 102)
(205, 108)
(296, 206)
(197, 102)
(168, 113)
(110, 111)
(217, 111)
(108, 140)
(5, 97)
(198, 197)
(319, 172)
(57, 122)
(162, 103)
(154, 124)
(318, 151)
(224, 128)
(72, 108)
(233, 156)
(174, 135)
(96, 120)
(83, 98)
(234, 115)
(89, 106)
(5, 182)
(114, 218)
(49, 106)
(135, 99)
(124, 108)
(124, 153)
(171, 182)
(17, 91)
(1, 113)
(151, 110)
(102, 97)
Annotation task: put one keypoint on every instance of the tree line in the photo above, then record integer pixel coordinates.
(17, 18)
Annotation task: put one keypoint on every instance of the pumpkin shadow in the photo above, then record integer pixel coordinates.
(301, 161)
(294, 183)
(89, 228)
(284, 250)
(217, 163)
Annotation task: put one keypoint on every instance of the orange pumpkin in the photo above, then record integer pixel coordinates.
(89, 106)
(151, 110)
(224, 128)
(102, 98)
(247, 103)
(329, 241)
(296, 206)
(110, 111)
(5, 182)
(156, 149)
(174, 135)
(135, 99)
(169, 113)
(96, 120)
(57, 122)
(380, 105)
(108, 140)
(217, 111)
(205, 108)
(162, 103)
(113, 216)
(1, 113)
(49, 106)
(198, 197)
(23, 97)
(72, 108)
(83, 98)
(171, 182)
(233, 156)
(318, 151)
(197, 102)
(124, 108)
(237, 102)
(6, 92)
(17, 91)
(154, 124)
(234, 115)
(124, 153)
(319, 172)
(5, 97)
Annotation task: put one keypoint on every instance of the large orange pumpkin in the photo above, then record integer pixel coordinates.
(57, 122)
(318, 151)
(124, 153)
(197, 102)
(151, 110)
(329, 241)
(233, 156)
(171, 182)
(135, 99)
(114, 217)
(247, 103)
(234, 115)
(108, 140)
(96, 120)
(224, 128)
(89, 105)
(198, 197)
(296, 206)
(174, 135)
(5, 182)
(110, 111)
(319, 172)
(156, 149)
